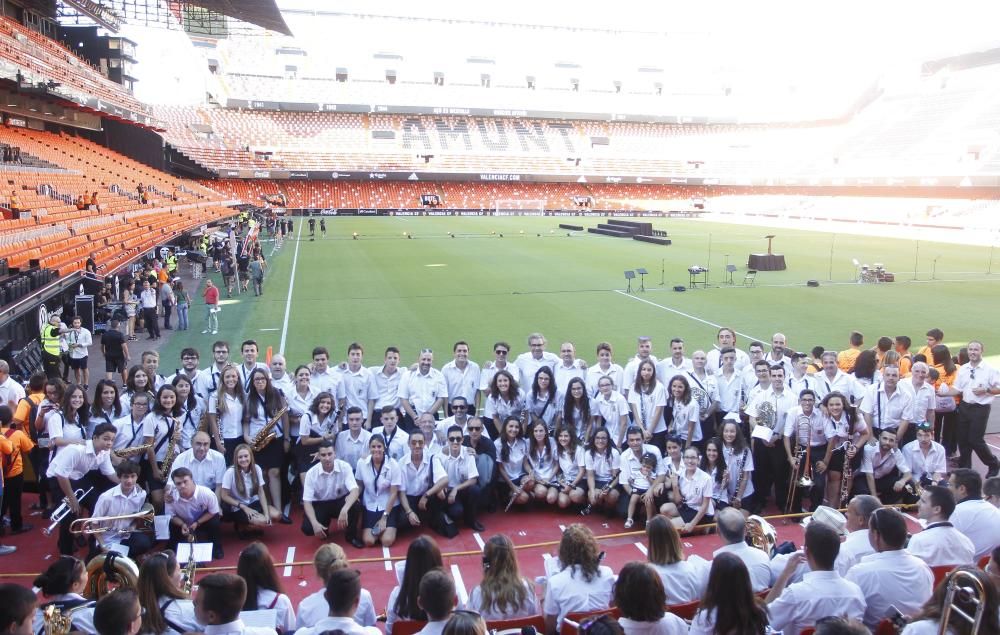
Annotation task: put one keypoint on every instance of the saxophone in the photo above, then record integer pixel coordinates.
(266, 434)
(129, 452)
(168, 460)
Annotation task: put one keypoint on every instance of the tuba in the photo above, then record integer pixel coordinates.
(761, 534)
(55, 622)
(107, 572)
(266, 434)
(766, 415)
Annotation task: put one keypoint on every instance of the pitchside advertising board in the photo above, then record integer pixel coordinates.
(482, 212)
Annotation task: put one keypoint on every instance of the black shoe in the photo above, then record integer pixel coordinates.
(217, 552)
(24, 528)
(993, 471)
(477, 526)
(356, 543)
(285, 520)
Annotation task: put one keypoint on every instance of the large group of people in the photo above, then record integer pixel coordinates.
(375, 451)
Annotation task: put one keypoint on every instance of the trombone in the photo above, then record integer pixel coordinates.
(103, 524)
(963, 588)
(802, 462)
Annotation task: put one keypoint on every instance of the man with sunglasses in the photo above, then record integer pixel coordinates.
(461, 497)
(459, 417)
(978, 383)
(486, 457)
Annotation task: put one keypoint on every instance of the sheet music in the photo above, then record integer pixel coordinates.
(202, 552)
(261, 618)
(162, 526)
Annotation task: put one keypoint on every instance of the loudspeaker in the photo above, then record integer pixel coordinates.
(812, 283)
(680, 288)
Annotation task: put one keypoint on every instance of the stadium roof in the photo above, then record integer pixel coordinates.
(263, 13)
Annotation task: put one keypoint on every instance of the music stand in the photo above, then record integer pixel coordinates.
(642, 278)
(629, 275)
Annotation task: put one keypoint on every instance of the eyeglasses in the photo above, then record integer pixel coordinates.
(189, 357)
(455, 439)
(459, 407)
(474, 428)
(500, 352)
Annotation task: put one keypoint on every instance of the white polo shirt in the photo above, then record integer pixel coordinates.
(129, 433)
(545, 407)
(571, 465)
(601, 464)
(314, 608)
(351, 450)
(74, 461)
(611, 410)
(798, 384)
(514, 465)
(377, 483)
(595, 373)
(499, 408)
(935, 461)
(250, 494)
(666, 369)
(733, 460)
(423, 390)
(684, 581)
(490, 369)
(191, 420)
(322, 486)
(696, 489)
(329, 381)
(114, 502)
(841, 382)
(891, 578)
(878, 464)
(462, 382)
(397, 444)
(565, 373)
(714, 361)
(191, 509)
(941, 544)
(208, 471)
(230, 423)
(630, 370)
(543, 464)
(757, 562)
(646, 404)
(416, 479)
(631, 465)
(528, 366)
(359, 388)
(387, 386)
(247, 371)
(820, 594)
(208, 381)
(817, 425)
(730, 391)
(459, 468)
(985, 377)
(980, 521)
(161, 429)
(686, 415)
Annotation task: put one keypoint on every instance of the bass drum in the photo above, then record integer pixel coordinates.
(107, 572)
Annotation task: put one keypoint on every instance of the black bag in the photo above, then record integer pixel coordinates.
(444, 525)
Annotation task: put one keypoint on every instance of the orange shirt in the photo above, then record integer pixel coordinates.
(905, 363)
(19, 445)
(945, 379)
(5, 449)
(846, 359)
(24, 410)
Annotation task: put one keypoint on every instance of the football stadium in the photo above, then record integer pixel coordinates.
(455, 318)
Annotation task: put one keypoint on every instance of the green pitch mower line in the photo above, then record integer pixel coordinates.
(431, 289)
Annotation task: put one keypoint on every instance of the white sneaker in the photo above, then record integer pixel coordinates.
(6, 550)
(204, 332)
(215, 331)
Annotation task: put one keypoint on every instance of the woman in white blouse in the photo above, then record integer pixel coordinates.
(137, 381)
(542, 401)
(737, 455)
(683, 580)
(640, 597)
(225, 412)
(572, 468)
(244, 500)
(106, 406)
(504, 400)
(264, 590)
(511, 453)
(328, 558)
(542, 463)
(713, 463)
(729, 606)
(299, 400)
(686, 420)
(603, 463)
(381, 479)
(318, 424)
(848, 434)
(168, 610)
(158, 428)
(647, 398)
(503, 594)
(192, 409)
(67, 424)
(575, 412)
(583, 584)
(611, 407)
(691, 491)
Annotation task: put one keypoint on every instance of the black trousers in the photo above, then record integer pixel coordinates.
(210, 531)
(818, 489)
(167, 308)
(51, 363)
(139, 543)
(771, 469)
(433, 507)
(972, 419)
(152, 325)
(946, 430)
(466, 505)
(328, 512)
(39, 458)
(12, 489)
(100, 484)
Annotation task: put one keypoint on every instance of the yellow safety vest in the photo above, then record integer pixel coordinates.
(171, 263)
(50, 339)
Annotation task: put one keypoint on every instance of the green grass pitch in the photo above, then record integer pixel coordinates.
(433, 289)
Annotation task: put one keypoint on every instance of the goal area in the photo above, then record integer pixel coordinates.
(509, 207)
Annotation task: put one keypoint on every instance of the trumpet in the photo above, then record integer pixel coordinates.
(64, 510)
(266, 434)
(102, 524)
(135, 450)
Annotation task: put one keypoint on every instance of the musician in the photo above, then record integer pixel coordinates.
(122, 500)
(352, 443)
(832, 379)
(729, 384)
(360, 389)
(753, 385)
(501, 351)
(886, 407)
(886, 470)
(151, 364)
(926, 457)
(638, 486)
(397, 442)
(541, 462)
(61, 585)
(798, 378)
(190, 358)
(210, 378)
(630, 462)
(739, 458)
(779, 353)
(583, 584)
(318, 424)
(891, 576)
(461, 497)
(169, 611)
(848, 435)
(218, 602)
(263, 405)
(682, 411)
(459, 408)
(726, 338)
(486, 456)
(576, 411)
(751, 373)
(605, 367)
(770, 460)
(330, 491)
(572, 471)
(973, 516)
(381, 479)
(705, 390)
(511, 452)
(921, 391)
(977, 395)
(804, 426)
(732, 529)
(207, 466)
(193, 409)
(504, 399)
(244, 497)
(939, 543)
(193, 510)
(225, 412)
(568, 367)
(81, 467)
(528, 363)
(161, 431)
(423, 477)
(424, 389)
(822, 592)
(857, 545)
(691, 490)
(542, 401)
(246, 369)
(648, 400)
(343, 599)
(676, 364)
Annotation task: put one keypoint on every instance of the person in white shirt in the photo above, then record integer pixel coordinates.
(978, 384)
(682, 411)
(804, 434)
(732, 530)
(352, 443)
(739, 460)
(512, 450)
(381, 481)
(61, 586)
(605, 367)
(750, 372)
(437, 597)
(503, 594)
(890, 577)
(676, 364)
(264, 590)
(926, 457)
(770, 461)
(726, 338)
(80, 467)
(568, 366)
(643, 352)
(886, 407)
(542, 400)
(779, 353)
(857, 545)
(582, 584)
(422, 390)
(991, 491)
(973, 516)
(281, 378)
(190, 359)
(387, 378)
(821, 593)
(610, 406)
(168, 610)
(528, 363)
(330, 491)
(886, 471)
(124, 499)
(640, 597)
(797, 377)
(79, 340)
(691, 493)
(939, 543)
(118, 613)
(218, 603)
(209, 379)
(832, 379)
(360, 388)
(129, 427)
(729, 604)
(343, 597)
(648, 400)
(330, 557)
(603, 464)
(396, 441)
(729, 384)
(684, 579)
(244, 495)
(11, 392)
(501, 352)
(959, 606)
(208, 466)
(249, 364)
(921, 391)
(327, 379)
(193, 510)
(705, 390)
(423, 477)
(631, 476)
(461, 497)
(151, 364)
(225, 412)
(461, 376)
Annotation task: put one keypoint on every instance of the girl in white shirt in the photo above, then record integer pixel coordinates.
(691, 491)
(512, 451)
(572, 469)
(542, 402)
(67, 425)
(61, 585)
(158, 429)
(542, 463)
(686, 420)
(503, 594)
(169, 611)
(737, 455)
(381, 480)
(575, 412)
(264, 590)
(683, 580)
(611, 407)
(328, 558)
(640, 597)
(106, 407)
(848, 433)
(603, 463)
(504, 400)
(192, 409)
(647, 398)
(243, 496)
(299, 400)
(225, 412)
(714, 464)
(318, 424)
(729, 604)
(138, 381)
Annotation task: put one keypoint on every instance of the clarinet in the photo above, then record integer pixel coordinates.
(845, 476)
